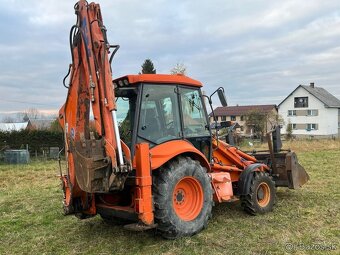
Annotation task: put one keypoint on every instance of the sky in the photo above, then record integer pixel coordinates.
(259, 51)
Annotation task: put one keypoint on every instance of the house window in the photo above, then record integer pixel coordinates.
(291, 112)
(292, 125)
(312, 127)
(242, 117)
(223, 118)
(312, 112)
(300, 102)
(242, 128)
(232, 118)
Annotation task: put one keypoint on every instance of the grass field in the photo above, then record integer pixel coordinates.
(303, 222)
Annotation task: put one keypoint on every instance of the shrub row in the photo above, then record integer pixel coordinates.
(37, 140)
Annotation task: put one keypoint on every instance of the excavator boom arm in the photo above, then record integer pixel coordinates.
(94, 154)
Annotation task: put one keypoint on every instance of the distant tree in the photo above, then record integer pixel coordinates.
(258, 121)
(179, 68)
(148, 67)
(124, 129)
(7, 119)
(26, 118)
(262, 122)
(21, 116)
(55, 126)
(29, 114)
(289, 131)
(274, 119)
(32, 113)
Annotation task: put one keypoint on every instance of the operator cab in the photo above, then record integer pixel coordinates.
(155, 109)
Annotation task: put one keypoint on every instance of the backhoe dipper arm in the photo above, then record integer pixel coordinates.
(91, 87)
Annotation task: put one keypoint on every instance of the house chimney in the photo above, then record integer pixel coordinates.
(312, 85)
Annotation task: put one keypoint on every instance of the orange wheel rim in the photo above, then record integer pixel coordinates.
(188, 198)
(263, 194)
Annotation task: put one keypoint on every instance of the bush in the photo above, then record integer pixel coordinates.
(37, 140)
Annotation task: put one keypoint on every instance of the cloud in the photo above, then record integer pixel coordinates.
(258, 50)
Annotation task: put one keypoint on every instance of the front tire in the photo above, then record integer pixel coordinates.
(261, 195)
(182, 198)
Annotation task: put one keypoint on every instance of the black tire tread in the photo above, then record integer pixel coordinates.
(248, 202)
(167, 226)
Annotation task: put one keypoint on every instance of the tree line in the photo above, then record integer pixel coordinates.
(149, 68)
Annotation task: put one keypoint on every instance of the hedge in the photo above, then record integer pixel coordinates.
(37, 140)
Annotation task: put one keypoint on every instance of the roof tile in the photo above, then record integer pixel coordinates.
(323, 95)
(241, 110)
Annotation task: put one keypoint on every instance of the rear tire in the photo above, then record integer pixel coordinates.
(261, 196)
(182, 198)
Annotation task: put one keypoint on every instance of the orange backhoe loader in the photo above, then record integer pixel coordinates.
(140, 150)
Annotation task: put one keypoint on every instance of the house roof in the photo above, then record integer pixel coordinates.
(13, 126)
(242, 109)
(323, 95)
(41, 123)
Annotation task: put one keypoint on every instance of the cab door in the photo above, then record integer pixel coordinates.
(159, 118)
(195, 120)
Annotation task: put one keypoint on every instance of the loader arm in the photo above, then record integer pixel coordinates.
(95, 158)
(283, 165)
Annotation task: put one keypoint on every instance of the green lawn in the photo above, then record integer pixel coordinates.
(32, 222)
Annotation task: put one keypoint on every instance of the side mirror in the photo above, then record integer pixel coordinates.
(222, 97)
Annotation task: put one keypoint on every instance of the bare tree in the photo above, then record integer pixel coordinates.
(29, 114)
(274, 119)
(179, 68)
(22, 116)
(7, 119)
(262, 122)
(32, 113)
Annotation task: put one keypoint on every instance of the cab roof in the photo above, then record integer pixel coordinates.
(158, 79)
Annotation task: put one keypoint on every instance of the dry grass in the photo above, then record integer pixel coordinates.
(300, 145)
(31, 220)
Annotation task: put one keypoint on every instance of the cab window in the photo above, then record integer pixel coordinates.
(126, 103)
(159, 115)
(194, 120)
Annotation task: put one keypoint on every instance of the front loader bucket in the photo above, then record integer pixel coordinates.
(286, 170)
(296, 174)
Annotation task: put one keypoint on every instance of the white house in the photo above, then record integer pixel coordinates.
(311, 111)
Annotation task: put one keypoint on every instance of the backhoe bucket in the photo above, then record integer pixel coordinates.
(288, 172)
